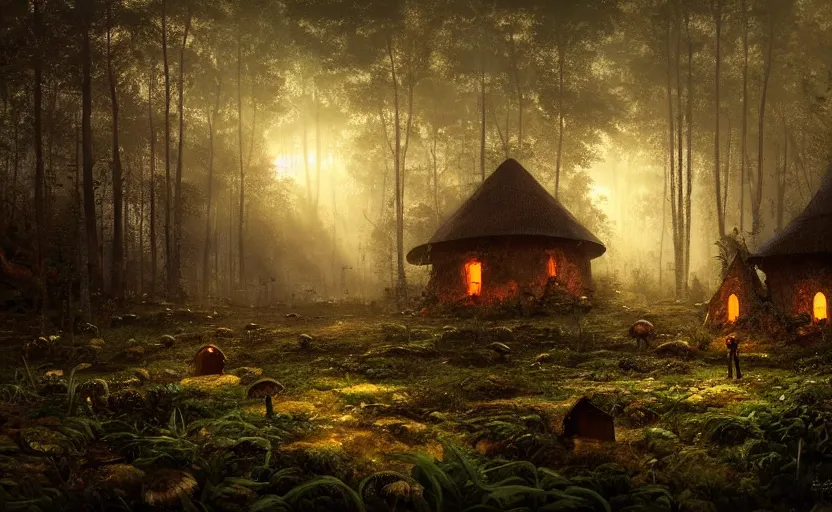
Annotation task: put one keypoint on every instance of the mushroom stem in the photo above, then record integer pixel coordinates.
(269, 410)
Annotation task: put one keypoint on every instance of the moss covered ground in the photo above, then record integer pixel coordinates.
(386, 411)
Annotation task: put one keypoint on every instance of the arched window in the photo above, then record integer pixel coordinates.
(819, 310)
(733, 308)
(473, 277)
(551, 267)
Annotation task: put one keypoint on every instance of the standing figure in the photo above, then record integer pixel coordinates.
(732, 342)
(642, 330)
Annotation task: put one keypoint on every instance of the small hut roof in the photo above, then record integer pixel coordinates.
(510, 202)
(809, 233)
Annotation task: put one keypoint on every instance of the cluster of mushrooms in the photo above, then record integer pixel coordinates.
(210, 360)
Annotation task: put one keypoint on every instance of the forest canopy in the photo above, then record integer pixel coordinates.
(264, 150)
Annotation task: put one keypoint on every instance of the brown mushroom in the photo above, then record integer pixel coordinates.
(167, 486)
(266, 388)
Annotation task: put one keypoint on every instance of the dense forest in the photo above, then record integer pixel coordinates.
(279, 150)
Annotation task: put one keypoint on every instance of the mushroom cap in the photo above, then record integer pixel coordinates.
(210, 348)
(167, 485)
(500, 348)
(264, 388)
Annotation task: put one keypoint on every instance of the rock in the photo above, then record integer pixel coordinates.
(291, 315)
(305, 341)
(142, 374)
(439, 417)
(167, 340)
(679, 349)
(247, 374)
(129, 318)
(96, 342)
(450, 333)
(654, 433)
(43, 441)
(500, 333)
(135, 353)
(252, 326)
(545, 357)
(500, 348)
(224, 332)
(394, 332)
(409, 430)
(120, 479)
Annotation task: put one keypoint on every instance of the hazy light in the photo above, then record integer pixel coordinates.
(598, 191)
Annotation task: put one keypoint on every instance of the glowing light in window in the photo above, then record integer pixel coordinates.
(552, 267)
(733, 308)
(473, 277)
(819, 307)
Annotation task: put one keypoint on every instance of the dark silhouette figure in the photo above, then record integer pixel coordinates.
(733, 345)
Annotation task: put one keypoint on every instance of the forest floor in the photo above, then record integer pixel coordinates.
(372, 386)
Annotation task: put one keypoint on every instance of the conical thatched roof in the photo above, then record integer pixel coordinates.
(810, 233)
(510, 202)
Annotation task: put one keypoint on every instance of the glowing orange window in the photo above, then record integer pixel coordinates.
(473, 277)
(819, 307)
(733, 308)
(552, 267)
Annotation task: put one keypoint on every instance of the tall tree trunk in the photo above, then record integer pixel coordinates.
(176, 277)
(93, 261)
(206, 253)
(561, 58)
(128, 267)
(757, 198)
(664, 224)
(681, 278)
(482, 118)
(674, 219)
(140, 288)
(689, 176)
(40, 217)
(117, 266)
(241, 237)
(401, 285)
(16, 165)
(516, 74)
(101, 236)
(781, 182)
(744, 129)
(153, 256)
(231, 286)
(727, 171)
(435, 176)
(81, 231)
(169, 271)
(717, 185)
